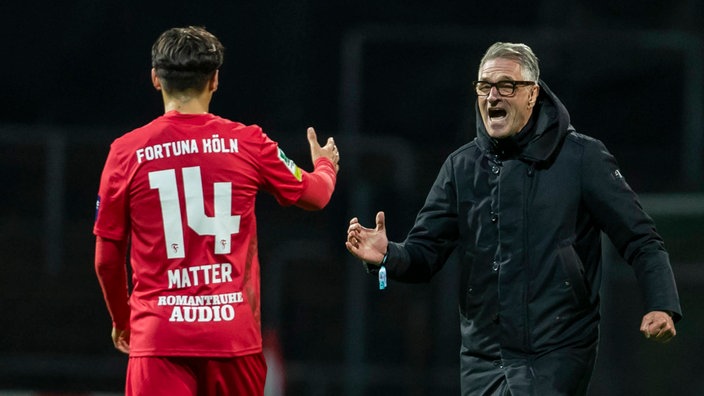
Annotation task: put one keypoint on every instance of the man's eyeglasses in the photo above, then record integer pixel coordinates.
(505, 88)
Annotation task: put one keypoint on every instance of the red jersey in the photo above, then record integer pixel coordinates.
(182, 189)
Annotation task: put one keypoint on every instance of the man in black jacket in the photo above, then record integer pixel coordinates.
(521, 209)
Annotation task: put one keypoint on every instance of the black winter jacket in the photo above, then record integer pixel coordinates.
(523, 219)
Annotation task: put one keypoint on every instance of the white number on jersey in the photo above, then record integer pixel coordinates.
(221, 225)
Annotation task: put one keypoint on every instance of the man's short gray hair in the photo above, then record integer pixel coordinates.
(518, 52)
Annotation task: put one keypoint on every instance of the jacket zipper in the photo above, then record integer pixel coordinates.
(527, 191)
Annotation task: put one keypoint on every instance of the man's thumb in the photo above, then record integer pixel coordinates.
(380, 221)
(312, 137)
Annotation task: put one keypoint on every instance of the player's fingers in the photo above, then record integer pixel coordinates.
(124, 349)
(122, 345)
(335, 151)
(330, 145)
(312, 137)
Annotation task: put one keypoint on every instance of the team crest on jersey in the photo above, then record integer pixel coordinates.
(295, 170)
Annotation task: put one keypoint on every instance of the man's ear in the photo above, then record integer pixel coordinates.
(155, 80)
(533, 95)
(214, 81)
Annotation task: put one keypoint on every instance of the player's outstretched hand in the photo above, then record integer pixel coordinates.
(121, 339)
(658, 326)
(329, 150)
(368, 244)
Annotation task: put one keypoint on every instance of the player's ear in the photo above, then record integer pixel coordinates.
(155, 80)
(214, 81)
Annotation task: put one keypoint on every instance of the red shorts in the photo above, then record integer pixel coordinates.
(191, 376)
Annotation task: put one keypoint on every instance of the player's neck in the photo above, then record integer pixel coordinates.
(187, 104)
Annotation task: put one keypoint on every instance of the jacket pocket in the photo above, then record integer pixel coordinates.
(475, 224)
(467, 290)
(574, 272)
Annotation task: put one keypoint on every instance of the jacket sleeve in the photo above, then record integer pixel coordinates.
(432, 238)
(620, 215)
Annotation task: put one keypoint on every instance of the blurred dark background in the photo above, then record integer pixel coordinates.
(390, 80)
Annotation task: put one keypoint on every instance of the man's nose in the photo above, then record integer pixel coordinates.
(493, 94)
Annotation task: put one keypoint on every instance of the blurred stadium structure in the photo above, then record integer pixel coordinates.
(404, 105)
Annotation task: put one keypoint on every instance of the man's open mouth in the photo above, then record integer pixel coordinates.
(497, 113)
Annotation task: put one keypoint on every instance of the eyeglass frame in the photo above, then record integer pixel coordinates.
(514, 85)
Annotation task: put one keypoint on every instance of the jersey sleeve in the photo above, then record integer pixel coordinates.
(318, 185)
(293, 185)
(111, 219)
(281, 176)
(111, 271)
(112, 224)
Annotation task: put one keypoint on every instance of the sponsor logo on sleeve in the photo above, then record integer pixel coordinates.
(292, 167)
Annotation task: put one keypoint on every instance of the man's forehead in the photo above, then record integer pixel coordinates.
(498, 67)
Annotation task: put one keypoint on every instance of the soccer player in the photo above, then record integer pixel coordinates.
(179, 194)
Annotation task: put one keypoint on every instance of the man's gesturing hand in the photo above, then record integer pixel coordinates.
(658, 326)
(329, 150)
(367, 244)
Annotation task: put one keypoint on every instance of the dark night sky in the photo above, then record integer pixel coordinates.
(86, 62)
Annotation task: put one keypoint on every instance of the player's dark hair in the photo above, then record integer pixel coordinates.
(186, 58)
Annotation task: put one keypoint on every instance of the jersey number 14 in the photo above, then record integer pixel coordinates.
(221, 225)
